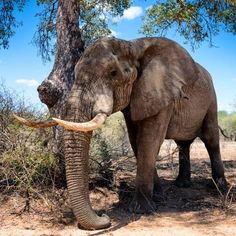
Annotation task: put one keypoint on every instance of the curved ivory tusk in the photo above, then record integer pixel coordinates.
(93, 124)
(36, 124)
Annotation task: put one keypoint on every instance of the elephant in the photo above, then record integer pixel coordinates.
(163, 94)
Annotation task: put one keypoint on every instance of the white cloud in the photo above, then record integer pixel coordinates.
(130, 14)
(114, 33)
(27, 82)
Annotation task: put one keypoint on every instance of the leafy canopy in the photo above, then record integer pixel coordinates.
(7, 20)
(94, 17)
(93, 21)
(228, 122)
(195, 20)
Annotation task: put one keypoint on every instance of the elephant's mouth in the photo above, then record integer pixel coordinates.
(93, 124)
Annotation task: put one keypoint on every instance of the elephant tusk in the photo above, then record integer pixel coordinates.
(35, 124)
(93, 124)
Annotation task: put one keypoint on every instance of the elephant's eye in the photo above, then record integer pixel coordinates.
(113, 73)
(127, 70)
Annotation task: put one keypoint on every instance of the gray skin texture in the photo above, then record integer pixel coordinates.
(162, 93)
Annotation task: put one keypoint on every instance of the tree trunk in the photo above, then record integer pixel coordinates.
(53, 90)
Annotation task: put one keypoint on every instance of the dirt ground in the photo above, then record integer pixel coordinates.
(195, 211)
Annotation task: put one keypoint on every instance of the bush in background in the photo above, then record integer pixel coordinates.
(227, 122)
(26, 164)
(107, 146)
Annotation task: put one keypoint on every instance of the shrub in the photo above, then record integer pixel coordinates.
(26, 164)
(108, 144)
(227, 121)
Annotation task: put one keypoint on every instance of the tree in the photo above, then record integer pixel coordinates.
(196, 20)
(227, 123)
(92, 22)
(8, 21)
(73, 24)
(222, 115)
(230, 125)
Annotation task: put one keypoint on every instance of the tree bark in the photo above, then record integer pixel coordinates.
(54, 90)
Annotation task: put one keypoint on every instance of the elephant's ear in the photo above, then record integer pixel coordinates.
(161, 79)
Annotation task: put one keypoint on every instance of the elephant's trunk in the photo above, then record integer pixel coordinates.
(76, 157)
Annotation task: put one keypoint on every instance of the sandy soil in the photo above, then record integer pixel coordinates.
(195, 211)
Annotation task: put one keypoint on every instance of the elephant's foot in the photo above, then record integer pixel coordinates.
(159, 197)
(182, 182)
(220, 184)
(142, 205)
(158, 193)
(157, 187)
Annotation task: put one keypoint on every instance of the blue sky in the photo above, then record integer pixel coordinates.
(22, 69)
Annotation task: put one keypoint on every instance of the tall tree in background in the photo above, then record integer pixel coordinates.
(195, 20)
(65, 27)
(74, 24)
(71, 25)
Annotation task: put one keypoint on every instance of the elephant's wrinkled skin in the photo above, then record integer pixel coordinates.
(162, 93)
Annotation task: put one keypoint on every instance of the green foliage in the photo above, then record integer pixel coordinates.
(93, 22)
(221, 116)
(111, 140)
(227, 121)
(99, 149)
(196, 21)
(108, 144)
(46, 29)
(8, 22)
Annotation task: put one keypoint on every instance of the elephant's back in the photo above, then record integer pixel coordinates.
(190, 111)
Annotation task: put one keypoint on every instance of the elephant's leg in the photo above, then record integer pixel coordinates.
(158, 193)
(210, 137)
(132, 128)
(151, 134)
(157, 188)
(183, 180)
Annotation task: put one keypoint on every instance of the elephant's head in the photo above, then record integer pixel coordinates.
(147, 74)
